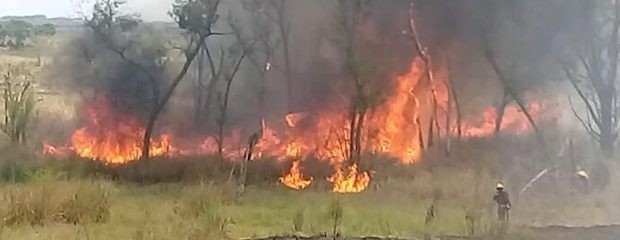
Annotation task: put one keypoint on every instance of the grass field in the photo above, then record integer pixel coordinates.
(46, 204)
(172, 211)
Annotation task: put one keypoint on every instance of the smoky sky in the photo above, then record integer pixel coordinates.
(523, 34)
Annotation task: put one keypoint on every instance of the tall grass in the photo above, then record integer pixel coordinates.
(46, 199)
(202, 209)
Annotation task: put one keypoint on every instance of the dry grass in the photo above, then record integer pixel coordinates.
(45, 201)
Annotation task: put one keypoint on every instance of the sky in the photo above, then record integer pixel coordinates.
(150, 10)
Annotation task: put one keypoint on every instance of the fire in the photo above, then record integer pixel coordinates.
(397, 128)
(295, 179)
(349, 180)
(111, 137)
(513, 122)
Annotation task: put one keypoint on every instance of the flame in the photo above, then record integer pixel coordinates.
(397, 127)
(295, 179)
(514, 120)
(349, 180)
(111, 137)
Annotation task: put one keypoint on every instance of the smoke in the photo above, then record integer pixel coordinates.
(92, 66)
(522, 33)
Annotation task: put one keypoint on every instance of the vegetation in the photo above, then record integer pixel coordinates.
(15, 34)
(19, 105)
(213, 197)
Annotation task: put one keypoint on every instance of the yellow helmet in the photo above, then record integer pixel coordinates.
(583, 174)
(499, 186)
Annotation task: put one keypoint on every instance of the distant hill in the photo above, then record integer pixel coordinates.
(60, 22)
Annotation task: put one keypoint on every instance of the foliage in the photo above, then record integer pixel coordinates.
(196, 16)
(15, 33)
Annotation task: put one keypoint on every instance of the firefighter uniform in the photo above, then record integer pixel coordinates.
(503, 202)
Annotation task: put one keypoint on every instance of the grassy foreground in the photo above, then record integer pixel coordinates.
(45, 207)
(75, 199)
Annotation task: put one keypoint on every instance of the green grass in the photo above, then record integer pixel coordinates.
(212, 211)
(169, 211)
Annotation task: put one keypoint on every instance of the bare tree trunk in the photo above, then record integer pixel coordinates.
(432, 125)
(289, 80)
(457, 107)
(420, 134)
(215, 77)
(146, 143)
(199, 89)
(358, 137)
(500, 110)
(511, 92)
(428, 68)
(448, 122)
(224, 108)
(352, 128)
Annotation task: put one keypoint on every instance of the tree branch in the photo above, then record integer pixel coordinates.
(587, 126)
(581, 94)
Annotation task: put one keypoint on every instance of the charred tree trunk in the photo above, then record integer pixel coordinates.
(224, 107)
(448, 123)
(215, 77)
(428, 68)
(420, 134)
(289, 80)
(457, 107)
(501, 107)
(146, 142)
(509, 91)
(284, 32)
(199, 88)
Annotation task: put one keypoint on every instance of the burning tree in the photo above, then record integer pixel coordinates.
(195, 17)
(357, 64)
(595, 74)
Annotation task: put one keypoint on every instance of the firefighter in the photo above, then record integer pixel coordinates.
(503, 202)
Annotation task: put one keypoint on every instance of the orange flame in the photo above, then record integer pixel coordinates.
(295, 179)
(396, 128)
(350, 180)
(111, 137)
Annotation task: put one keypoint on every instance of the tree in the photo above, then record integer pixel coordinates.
(512, 85)
(594, 72)
(195, 17)
(358, 63)
(45, 29)
(424, 54)
(263, 54)
(18, 108)
(238, 53)
(278, 14)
